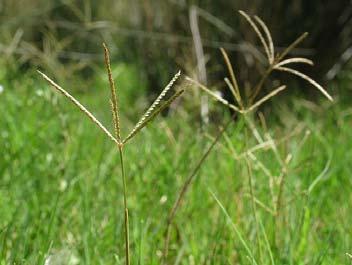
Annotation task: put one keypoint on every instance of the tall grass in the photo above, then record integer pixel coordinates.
(157, 107)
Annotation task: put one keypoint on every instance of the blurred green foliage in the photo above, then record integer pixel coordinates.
(64, 37)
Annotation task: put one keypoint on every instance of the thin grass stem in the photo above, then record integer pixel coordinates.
(237, 231)
(183, 191)
(126, 222)
(291, 47)
(214, 95)
(266, 98)
(260, 84)
(253, 198)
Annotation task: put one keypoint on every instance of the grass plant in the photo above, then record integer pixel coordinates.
(147, 117)
(246, 107)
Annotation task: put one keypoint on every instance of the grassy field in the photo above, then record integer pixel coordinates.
(61, 190)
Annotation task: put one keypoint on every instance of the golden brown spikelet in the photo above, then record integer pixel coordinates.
(259, 34)
(114, 103)
(152, 110)
(234, 88)
(152, 115)
(310, 80)
(268, 36)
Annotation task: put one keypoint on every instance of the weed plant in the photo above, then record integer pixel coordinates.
(245, 106)
(157, 107)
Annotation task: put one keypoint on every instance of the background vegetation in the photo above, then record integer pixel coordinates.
(59, 200)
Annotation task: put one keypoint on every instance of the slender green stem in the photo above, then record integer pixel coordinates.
(280, 193)
(185, 188)
(127, 236)
(279, 202)
(251, 192)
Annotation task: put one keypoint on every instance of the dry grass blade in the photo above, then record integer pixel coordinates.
(253, 129)
(292, 46)
(80, 106)
(259, 34)
(114, 104)
(234, 88)
(214, 95)
(266, 98)
(294, 60)
(310, 80)
(153, 115)
(268, 36)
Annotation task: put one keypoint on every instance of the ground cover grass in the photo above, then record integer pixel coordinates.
(58, 179)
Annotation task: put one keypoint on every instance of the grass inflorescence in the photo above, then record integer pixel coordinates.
(120, 142)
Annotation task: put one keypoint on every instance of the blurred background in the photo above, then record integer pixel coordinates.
(155, 38)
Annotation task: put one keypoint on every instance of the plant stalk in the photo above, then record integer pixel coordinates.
(251, 192)
(279, 202)
(127, 236)
(185, 188)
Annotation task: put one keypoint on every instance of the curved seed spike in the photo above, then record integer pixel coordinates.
(114, 104)
(151, 109)
(294, 60)
(153, 115)
(79, 105)
(268, 36)
(162, 94)
(257, 31)
(310, 80)
(214, 95)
